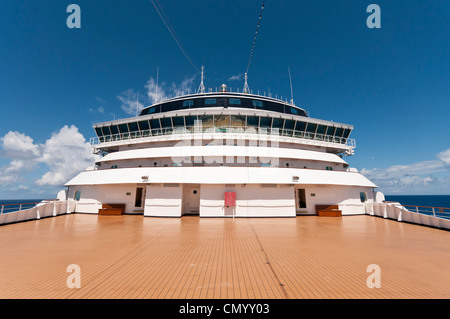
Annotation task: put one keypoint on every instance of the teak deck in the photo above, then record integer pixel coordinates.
(191, 257)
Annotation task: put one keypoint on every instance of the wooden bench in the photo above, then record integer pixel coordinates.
(328, 210)
(112, 209)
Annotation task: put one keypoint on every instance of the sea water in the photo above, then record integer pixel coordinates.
(421, 200)
(12, 205)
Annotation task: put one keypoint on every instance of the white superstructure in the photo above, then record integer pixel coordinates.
(222, 154)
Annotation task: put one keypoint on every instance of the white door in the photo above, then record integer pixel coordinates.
(191, 200)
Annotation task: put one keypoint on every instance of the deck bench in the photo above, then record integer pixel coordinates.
(328, 211)
(112, 209)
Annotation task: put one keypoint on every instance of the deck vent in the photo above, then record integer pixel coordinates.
(144, 178)
(295, 178)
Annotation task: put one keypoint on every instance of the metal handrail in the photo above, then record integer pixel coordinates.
(215, 129)
(430, 210)
(9, 208)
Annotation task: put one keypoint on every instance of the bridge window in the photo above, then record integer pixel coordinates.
(210, 101)
(106, 131)
(166, 122)
(190, 120)
(99, 131)
(133, 127)
(144, 126)
(155, 124)
(330, 130)
(114, 129)
(300, 126)
(265, 122)
(277, 123)
(188, 103)
(178, 121)
(311, 128)
(235, 101)
(257, 103)
(123, 128)
(252, 121)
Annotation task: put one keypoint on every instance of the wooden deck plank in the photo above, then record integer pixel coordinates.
(261, 258)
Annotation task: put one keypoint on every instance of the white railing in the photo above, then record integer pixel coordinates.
(13, 213)
(349, 142)
(415, 215)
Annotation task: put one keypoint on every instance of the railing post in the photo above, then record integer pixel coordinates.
(434, 213)
(2, 209)
(417, 209)
(20, 207)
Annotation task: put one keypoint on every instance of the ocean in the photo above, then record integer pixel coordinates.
(421, 200)
(12, 205)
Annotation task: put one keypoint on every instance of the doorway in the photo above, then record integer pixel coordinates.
(191, 199)
(300, 200)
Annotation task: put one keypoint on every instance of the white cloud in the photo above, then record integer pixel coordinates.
(64, 155)
(415, 176)
(236, 77)
(131, 102)
(18, 145)
(444, 157)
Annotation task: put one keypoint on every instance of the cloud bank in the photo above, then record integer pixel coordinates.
(133, 102)
(415, 177)
(61, 157)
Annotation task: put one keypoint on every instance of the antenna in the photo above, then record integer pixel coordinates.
(137, 103)
(201, 88)
(290, 81)
(156, 88)
(246, 89)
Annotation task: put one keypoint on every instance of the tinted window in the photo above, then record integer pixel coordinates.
(252, 120)
(311, 128)
(330, 130)
(133, 127)
(235, 101)
(210, 101)
(106, 131)
(338, 132)
(265, 122)
(277, 123)
(292, 110)
(190, 120)
(144, 126)
(300, 126)
(123, 128)
(321, 129)
(99, 131)
(178, 121)
(188, 103)
(114, 129)
(346, 133)
(257, 103)
(155, 124)
(166, 122)
(288, 124)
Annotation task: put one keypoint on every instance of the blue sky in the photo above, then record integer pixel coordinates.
(391, 83)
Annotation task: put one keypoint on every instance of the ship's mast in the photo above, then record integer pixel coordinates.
(201, 88)
(246, 89)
